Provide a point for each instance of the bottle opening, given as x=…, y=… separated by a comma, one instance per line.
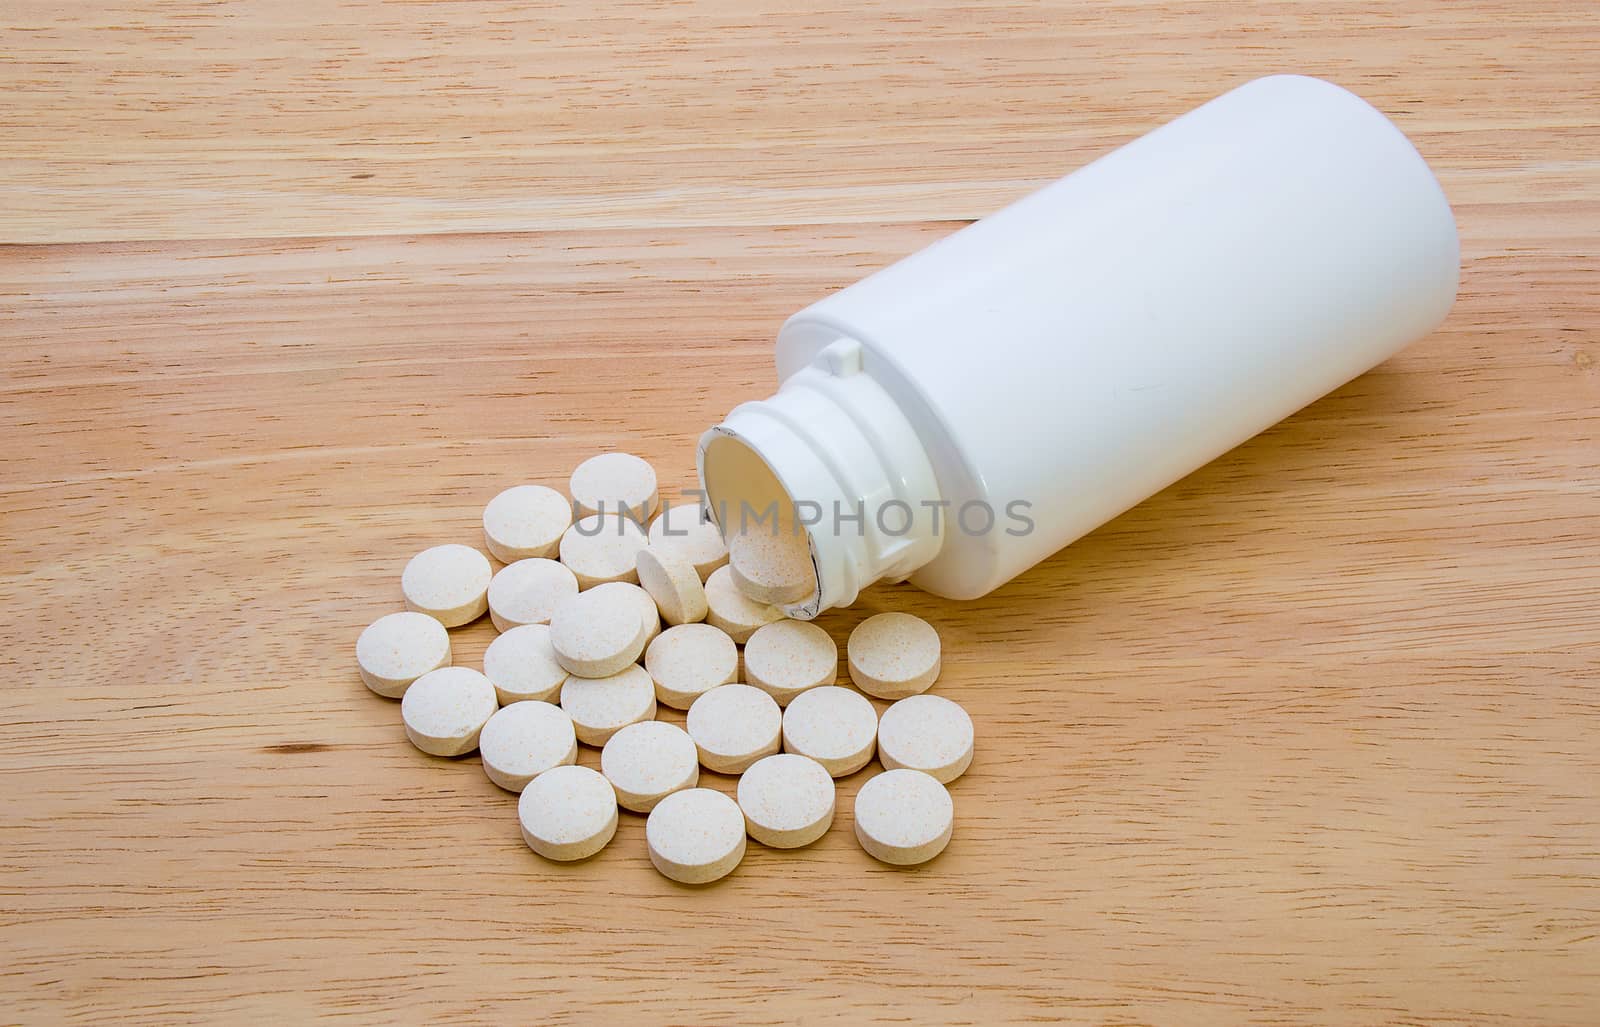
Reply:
x=745, y=497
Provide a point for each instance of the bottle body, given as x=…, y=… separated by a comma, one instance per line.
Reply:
x=1062, y=360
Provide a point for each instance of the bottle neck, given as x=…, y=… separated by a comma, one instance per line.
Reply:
x=835, y=452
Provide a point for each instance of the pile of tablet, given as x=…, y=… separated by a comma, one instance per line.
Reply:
x=583, y=659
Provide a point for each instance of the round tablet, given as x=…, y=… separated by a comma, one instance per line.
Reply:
x=640, y=598
x=927, y=733
x=568, y=813
x=695, y=836
x=672, y=582
x=732, y=610
x=600, y=549
x=835, y=726
x=773, y=566
x=525, y=523
x=600, y=707
x=787, y=800
x=904, y=817
x=398, y=648
x=689, y=660
x=733, y=726
x=522, y=665
x=687, y=531
x=527, y=591
x=596, y=634
x=524, y=740
x=615, y=483
x=787, y=657
x=893, y=655
x=445, y=709
x=449, y=583
x=648, y=761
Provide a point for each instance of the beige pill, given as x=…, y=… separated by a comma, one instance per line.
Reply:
x=567, y=813
x=648, y=761
x=444, y=710
x=788, y=657
x=733, y=726
x=596, y=634
x=615, y=483
x=524, y=740
x=398, y=648
x=772, y=565
x=600, y=707
x=527, y=591
x=695, y=836
x=893, y=655
x=599, y=549
x=522, y=665
x=927, y=733
x=640, y=598
x=904, y=817
x=525, y=523
x=733, y=611
x=787, y=800
x=689, y=660
x=835, y=726
x=686, y=531
x=672, y=582
x=449, y=583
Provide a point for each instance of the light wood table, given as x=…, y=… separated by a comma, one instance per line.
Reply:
x=1312, y=736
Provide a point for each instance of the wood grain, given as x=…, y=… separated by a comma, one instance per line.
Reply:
x=1310, y=737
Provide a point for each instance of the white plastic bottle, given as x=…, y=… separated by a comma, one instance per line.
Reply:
x=1060, y=361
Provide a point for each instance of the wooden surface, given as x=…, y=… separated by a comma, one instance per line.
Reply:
x=1312, y=737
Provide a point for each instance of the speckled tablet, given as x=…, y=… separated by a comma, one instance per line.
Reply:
x=787, y=800
x=648, y=761
x=788, y=657
x=567, y=813
x=696, y=836
x=526, y=592
x=689, y=660
x=733, y=726
x=927, y=733
x=523, y=740
x=449, y=583
x=525, y=522
x=904, y=817
x=893, y=655
x=398, y=648
x=445, y=709
x=835, y=726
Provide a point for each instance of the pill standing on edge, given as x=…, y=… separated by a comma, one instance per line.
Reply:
x=648, y=761
x=687, y=531
x=615, y=483
x=772, y=564
x=689, y=660
x=445, y=709
x=599, y=549
x=525, y=739
x=787, y=657
x=449, y=583
x=600, y=707
x=596, y=634
x=525, y=522
x=567, y=813
x=904, y=817
x=835, y=726
x=787, y=800
x=527, y=591
x=732, y=610
x=733, y=726
x=927, y=733
x=893, y=655
x=398, y=648
x=522, y=665
x=672, y=582
x=695, y=836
